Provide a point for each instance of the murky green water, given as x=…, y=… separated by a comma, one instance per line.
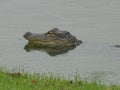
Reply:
x=95, y=22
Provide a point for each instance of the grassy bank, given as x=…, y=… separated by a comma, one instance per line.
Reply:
x=18, y=81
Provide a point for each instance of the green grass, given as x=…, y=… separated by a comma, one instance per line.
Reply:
x=24, y=81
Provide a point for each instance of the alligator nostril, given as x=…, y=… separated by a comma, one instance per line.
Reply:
x=24, y=35
x=27, y=34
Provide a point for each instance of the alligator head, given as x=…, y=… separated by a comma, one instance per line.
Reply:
x=52, y=38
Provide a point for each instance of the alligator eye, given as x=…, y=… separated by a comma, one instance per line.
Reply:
x=66, y=33
x=55, y=29
x=50, y=32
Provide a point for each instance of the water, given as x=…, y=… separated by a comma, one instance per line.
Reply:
x=95, y=22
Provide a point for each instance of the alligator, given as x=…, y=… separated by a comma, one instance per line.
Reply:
x=53, y=38
x=54, y=42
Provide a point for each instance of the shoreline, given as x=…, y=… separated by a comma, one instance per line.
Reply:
x=26, y=81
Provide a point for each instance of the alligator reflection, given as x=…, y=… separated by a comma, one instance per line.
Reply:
x=51, y=51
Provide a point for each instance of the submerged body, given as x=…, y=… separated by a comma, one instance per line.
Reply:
x=53, y=38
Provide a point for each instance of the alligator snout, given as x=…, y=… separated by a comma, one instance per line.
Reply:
x=27, y=34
